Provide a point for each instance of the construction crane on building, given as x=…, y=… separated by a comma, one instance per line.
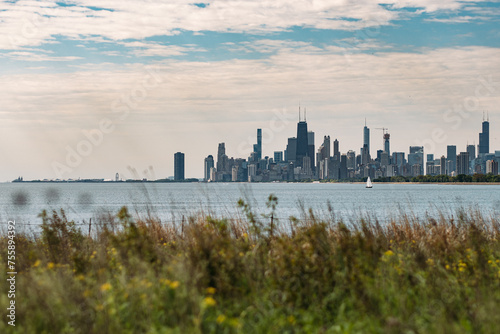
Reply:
x=385, y=138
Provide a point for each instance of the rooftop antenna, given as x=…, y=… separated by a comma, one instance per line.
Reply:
x=487, y=116
x=305, y=115
x=299, y=111
x=365, y=121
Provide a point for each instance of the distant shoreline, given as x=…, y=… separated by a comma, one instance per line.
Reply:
x=375, y=183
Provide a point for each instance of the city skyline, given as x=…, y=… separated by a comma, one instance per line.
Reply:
x=301, y=161
x=128, y=84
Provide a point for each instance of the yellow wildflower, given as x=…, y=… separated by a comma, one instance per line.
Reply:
x=174, y=285
x=209, y=301
x=221, y=318
x=37, y=263
x=211, y=290
x=389, y=253
x=105, y=287
x=50, y=265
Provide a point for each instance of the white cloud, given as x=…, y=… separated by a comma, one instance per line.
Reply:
x=32, y=23
x=150, y=49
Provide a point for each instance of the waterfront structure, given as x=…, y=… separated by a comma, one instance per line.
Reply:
x=443, y=165
x=484, y=137
x=179, y=166
x=117, y=177
x=208, y=165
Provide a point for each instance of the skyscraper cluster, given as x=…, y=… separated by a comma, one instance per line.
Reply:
x=301, y=161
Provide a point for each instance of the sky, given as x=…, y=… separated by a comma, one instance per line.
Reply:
x=91, y=88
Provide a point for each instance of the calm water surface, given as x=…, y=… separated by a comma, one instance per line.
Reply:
x=82, y=201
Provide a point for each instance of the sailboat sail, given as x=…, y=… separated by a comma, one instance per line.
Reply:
x=369, y=183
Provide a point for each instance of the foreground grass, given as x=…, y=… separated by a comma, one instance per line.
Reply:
x=441, y=275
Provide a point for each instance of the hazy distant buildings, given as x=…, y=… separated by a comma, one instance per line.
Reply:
x=179, y=166
x=208, y=165
x=300, y=161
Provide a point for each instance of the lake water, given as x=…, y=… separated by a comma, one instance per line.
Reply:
x=171, y=201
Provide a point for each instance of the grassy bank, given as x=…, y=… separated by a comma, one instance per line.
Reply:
x=258, y=275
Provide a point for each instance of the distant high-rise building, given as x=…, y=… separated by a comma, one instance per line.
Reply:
x=416, y=157
x=257, y=148
x=429, y=167
x=451, y=155
x=398, y=159
x=492, y=167
x=221, y=157
x=484, y=137
x=325, y=148
x=443, y=165
x=430, y=157
x=463, y=163
x=343, y=166
x=471, y=149
x=278, y=156
x=291, y=150
x=384, y=159
x=310, y=149
x=336, y=152
x=117, y=177
x=179, y=166
x=302, y=143
x=351, y=160
x=366, y=139
x=387, y=146
x=209, y=163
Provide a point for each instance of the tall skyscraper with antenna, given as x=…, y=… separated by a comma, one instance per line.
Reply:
x=484, y=137
x=302, y=140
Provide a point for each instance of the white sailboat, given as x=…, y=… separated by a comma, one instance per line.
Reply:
x=369, y=183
